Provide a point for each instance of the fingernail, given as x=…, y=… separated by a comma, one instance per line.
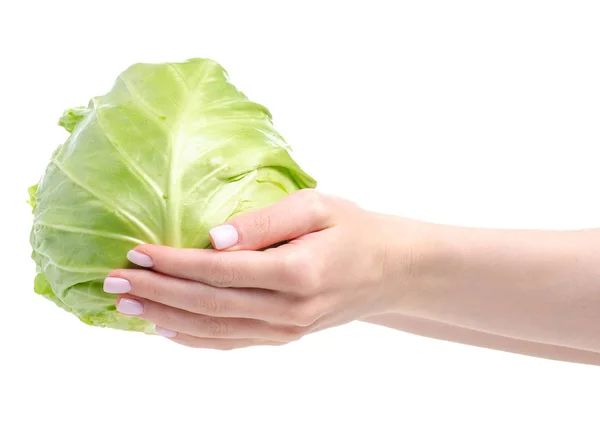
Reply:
x=165, y=332
x=139, y=258
x=224, y=236
x=130, y=307
x=113, y=285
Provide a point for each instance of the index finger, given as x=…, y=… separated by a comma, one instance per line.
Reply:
x=245, y=269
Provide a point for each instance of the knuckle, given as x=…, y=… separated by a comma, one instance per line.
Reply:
x=317, y=205
x=302, y=319
x=309, y=280
x=187, y=342
x=222, y=272
x=164, y=318
x=267, y=342
x=261, y=224
x=226, y=347
x=294, y=333
x=302, y=273
x=206, y=302
x=217, y=328
x=291, y=260
x=190, y=341
x=306, y=313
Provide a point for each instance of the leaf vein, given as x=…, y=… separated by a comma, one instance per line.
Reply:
x=80, y=230
x=123, y=214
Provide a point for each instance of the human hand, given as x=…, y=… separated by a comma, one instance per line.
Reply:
x=333, y=268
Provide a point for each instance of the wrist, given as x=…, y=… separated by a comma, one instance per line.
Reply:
x=415, y=254
x=536, y=285
x=438, y=260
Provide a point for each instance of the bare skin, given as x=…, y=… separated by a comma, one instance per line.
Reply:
x=530, y=292
x=452, y=333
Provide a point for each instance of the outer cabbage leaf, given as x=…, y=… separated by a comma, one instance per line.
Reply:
x=169, y=152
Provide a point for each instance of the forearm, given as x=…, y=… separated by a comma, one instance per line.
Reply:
x=541, y=286
x=452, y=333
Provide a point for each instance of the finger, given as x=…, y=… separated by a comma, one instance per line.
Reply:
x=217, y=344
x=235, y=269
x=200, y=298
x=295, y=215
x=204, y=326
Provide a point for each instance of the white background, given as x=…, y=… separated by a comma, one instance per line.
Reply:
x=476, y=113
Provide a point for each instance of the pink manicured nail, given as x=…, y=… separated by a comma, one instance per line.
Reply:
x=139, y=258
x=130, y=307
x=113, y=285
x=224, y=236
x=165, y=332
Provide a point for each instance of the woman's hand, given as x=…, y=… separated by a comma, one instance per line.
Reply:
x=339, y=263
x=334, y=268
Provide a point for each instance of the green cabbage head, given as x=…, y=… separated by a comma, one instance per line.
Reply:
x=172, y=150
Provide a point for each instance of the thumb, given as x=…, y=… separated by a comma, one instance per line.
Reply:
x=297, y=214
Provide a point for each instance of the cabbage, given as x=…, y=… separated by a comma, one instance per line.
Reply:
x=172, y=150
